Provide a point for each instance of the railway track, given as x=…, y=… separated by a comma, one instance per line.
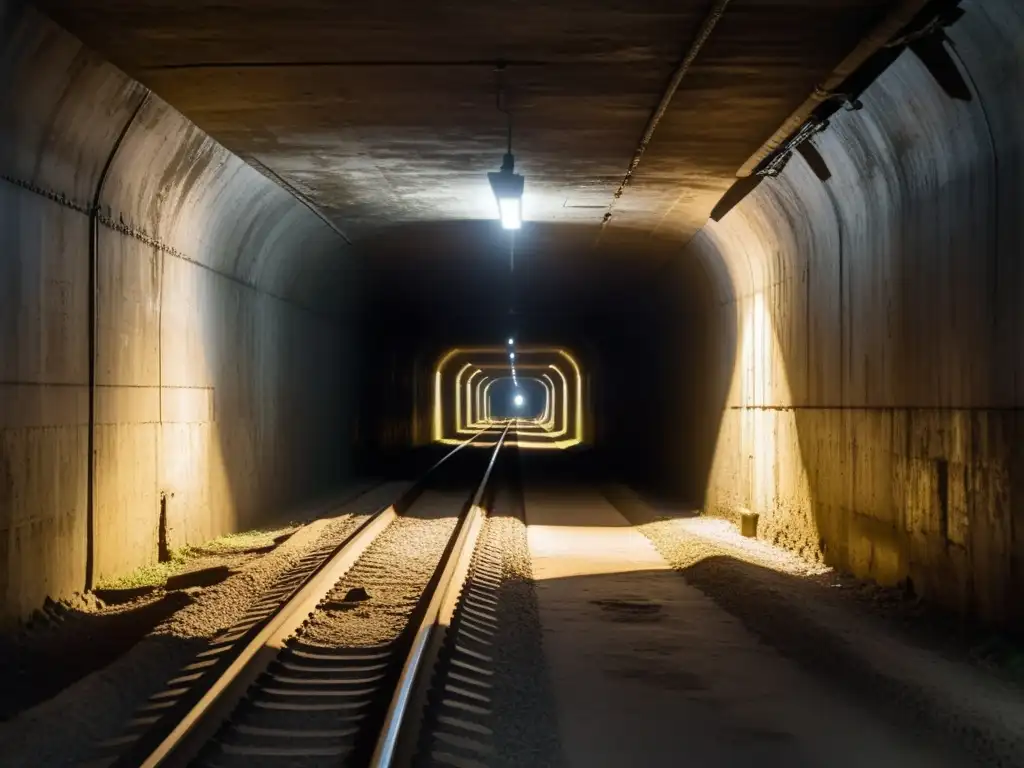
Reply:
x=285, y=692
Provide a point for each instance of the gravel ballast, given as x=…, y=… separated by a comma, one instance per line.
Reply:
x=526, y=728
x=96, y=708
x=392, y=575
x=490, y=701
x=321, y=702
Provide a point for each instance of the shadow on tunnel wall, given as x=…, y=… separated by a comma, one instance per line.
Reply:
x=663, y=387
x=161, y=305
x=872, y=410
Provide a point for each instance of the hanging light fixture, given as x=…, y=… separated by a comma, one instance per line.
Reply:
x=506, y=184
x=508, y=191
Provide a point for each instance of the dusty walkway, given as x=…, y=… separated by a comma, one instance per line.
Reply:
x=651, y=670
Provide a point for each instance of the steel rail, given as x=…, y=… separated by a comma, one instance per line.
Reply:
x=422, y=654
x=201, y=721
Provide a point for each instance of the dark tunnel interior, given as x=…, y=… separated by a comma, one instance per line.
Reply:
x=769, y=262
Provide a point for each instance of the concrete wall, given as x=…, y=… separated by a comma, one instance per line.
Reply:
x=659, y=406
x=394, y=411
x=873, y=397
x=220, y=348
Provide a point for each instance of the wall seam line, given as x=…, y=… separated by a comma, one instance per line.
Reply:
x=144, y=237
x=52, y=196
x=93, y=344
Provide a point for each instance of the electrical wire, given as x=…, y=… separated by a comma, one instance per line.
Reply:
x=499, y=101
x=501, y=106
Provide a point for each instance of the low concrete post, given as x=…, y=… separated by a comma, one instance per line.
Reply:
x=748, y=523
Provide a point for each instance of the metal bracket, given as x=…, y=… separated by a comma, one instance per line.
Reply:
x=774, y=164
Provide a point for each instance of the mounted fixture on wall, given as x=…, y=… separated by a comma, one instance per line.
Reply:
x=923, y=34
x=506, y=184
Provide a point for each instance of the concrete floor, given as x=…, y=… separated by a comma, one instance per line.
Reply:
x=648, y=670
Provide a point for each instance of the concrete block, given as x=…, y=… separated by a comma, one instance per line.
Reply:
x=748, y=522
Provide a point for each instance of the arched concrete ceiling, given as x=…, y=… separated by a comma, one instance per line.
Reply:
x=383, y=116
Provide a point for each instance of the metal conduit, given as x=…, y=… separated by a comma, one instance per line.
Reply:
x=714, y=15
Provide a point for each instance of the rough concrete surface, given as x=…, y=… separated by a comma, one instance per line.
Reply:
x=649, y=669
x=217, y=370
x=330, y=103
x=917, y=682
x=843, y=356
x=870, y=409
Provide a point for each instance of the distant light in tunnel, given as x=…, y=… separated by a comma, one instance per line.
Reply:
x=563, y=406
x=511, y=341
x=511, y=355
x=519, y=400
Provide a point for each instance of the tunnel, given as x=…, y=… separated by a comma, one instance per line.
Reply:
x=763, y=264
x=541, y=385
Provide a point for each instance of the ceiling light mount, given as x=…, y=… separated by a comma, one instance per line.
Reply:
x=506, y=184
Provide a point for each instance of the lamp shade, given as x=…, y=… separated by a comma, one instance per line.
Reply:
x=508, y=191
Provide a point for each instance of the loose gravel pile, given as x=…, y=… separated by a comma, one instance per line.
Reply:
x=96, y=707
x=695, y=539
x=49, y=654
x=372, y=603
x=228, y=603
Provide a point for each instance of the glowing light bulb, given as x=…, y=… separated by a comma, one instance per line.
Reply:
x=511, y=212
x=518, y=400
